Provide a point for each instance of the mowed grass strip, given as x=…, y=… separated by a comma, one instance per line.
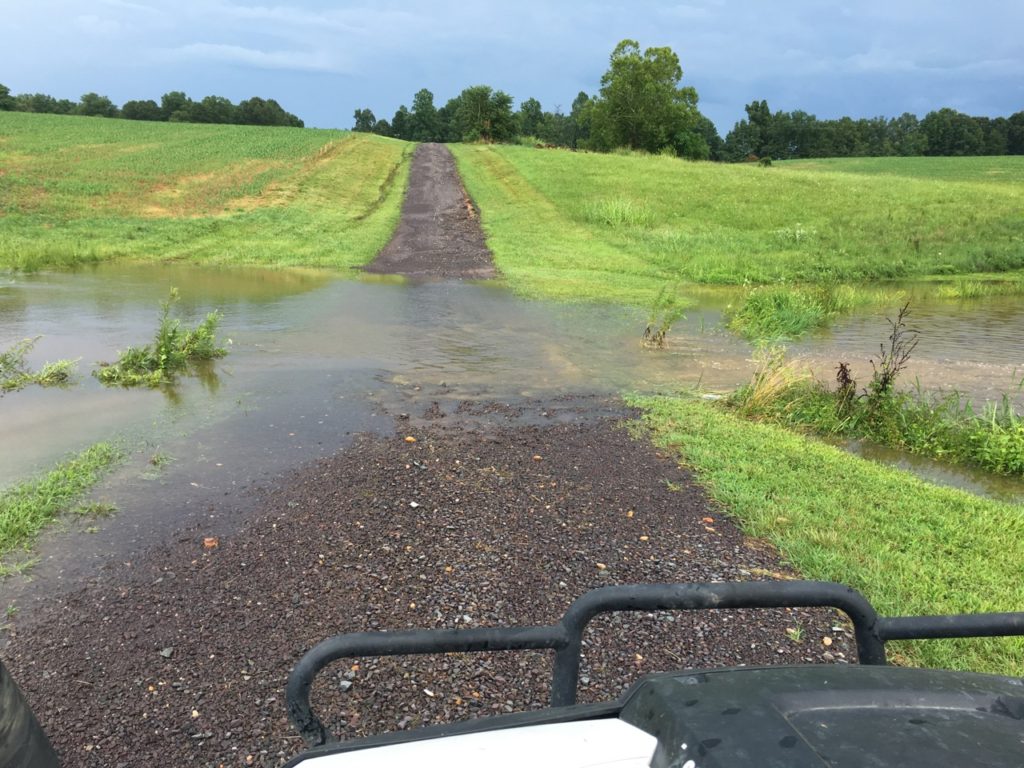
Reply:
x=910, y=547
x=26, y=508
x=77, y=189
x=614, y=226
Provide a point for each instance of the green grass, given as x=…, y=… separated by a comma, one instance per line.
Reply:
x=618, y=227
x=984, y=170
x=75, y=190
x=910, y=547
x=26, y=508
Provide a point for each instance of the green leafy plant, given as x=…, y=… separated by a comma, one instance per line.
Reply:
x=173, y=351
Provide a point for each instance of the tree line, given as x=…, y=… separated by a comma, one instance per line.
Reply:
x=174, y=107
x=642, y=106
x=797, y=134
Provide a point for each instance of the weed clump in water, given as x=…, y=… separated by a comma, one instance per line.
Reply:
x=665, y=311
x=173, y=351
x=16, y=374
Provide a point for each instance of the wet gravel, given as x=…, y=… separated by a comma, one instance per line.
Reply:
x=439, y=234
x=180, y=656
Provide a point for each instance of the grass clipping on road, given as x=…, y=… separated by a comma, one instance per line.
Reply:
x=80, y=190
x=26, y=508
x=910, y=547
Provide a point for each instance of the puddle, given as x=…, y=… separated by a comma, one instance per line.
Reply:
x=317, y=356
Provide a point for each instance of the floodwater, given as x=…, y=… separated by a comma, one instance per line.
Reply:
x=314, y=359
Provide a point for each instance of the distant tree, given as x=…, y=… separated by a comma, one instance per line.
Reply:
x=483, y=114
x=141, y=110
x=952, y=133
x=401, y=124
x=257, y=111
x=699, y=142
x=175, y=102
x=43, y=104
x=1015, y=133
x=365, y=121
x=995, y=133
x=447, y=123
x=6, y=100
x=94, y=105
x=581, y=118
x=382, y=127
x=530, y=118
x=212, y=109
x=423, y=122
x=742, y=142
x=905, y=135
x=641, y=104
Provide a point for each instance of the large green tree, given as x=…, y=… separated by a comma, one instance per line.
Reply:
x=365, y=121
x=483, y=114
x=6, y=100
x=423, y=122
x=641, y=104
x=530, y=117
x=94, y=105
x=141, y=110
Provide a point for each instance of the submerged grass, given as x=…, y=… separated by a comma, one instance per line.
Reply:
x=29, y=506
x=566, y=224
x=77, y=190
x=910, y=547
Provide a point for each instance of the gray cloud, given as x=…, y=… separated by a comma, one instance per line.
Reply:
x=323, y=59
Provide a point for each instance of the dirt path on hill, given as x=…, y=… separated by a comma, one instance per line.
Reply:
x=496, y=514
x=439, y=234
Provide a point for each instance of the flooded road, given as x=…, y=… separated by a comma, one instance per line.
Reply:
x=313, y=358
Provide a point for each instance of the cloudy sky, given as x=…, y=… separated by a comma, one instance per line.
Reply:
x=322, y=60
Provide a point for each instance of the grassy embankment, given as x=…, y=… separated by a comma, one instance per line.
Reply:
x=76, y=189
x=26, y=508
x=618, y=227
x=908, y=546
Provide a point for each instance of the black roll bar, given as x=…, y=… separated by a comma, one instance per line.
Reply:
x=566, y=637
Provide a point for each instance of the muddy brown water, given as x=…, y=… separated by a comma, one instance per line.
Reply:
x=314, y=358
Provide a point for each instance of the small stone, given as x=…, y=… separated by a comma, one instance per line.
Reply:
x=410, y=439
x=826, y=641
x=537, y=457
x=167, y=652
x=345, y=685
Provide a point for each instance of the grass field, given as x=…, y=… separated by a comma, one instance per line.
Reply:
x=618, y=227
x=910, y=547
x=975, y=170
x=78, y=189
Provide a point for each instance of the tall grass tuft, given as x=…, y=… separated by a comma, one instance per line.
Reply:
x=619, y=212
x=173, y=350
x=777, y=312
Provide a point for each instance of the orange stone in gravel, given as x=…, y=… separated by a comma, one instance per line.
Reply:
x=211, y=542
